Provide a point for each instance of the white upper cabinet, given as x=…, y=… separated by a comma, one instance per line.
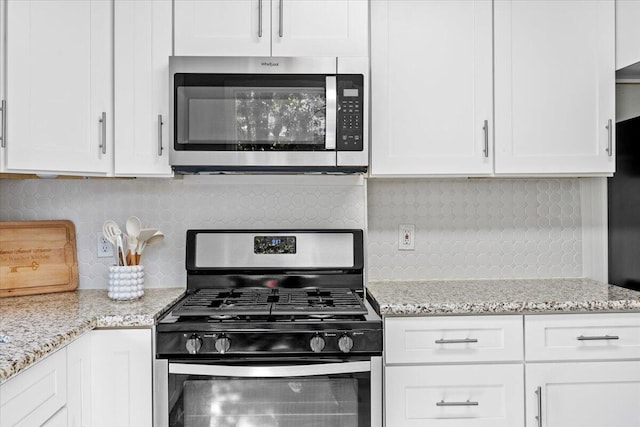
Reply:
x=222, y=27
x=59, y=87
x=319, y=27
x=271, y=27
x=433, y=71
x=555, y=87
x=431, y=74
x=142, y=46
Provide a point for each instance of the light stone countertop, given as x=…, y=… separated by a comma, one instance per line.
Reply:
x=441, y=297
x=38, y=325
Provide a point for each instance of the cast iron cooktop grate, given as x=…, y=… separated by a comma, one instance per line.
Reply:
x=276, y=302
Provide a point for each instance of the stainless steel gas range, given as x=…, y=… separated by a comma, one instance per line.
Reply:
x=274, y=330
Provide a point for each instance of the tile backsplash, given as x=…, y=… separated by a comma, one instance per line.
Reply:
x=477, y=228
x=175, y=205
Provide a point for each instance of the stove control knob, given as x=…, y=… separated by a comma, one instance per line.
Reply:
x=345, y=343
x=222, y=344
x=317, y=343
x=194, y=343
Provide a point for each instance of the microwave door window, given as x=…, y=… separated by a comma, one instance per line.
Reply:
x=204, y=116
x=241, y=118
x=280, y=118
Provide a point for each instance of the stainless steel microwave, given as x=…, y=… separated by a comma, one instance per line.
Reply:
x=268, y=114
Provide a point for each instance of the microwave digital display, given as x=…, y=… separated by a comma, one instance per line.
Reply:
x=350, y=93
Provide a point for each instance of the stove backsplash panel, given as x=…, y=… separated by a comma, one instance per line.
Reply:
x=498, y=228
x=174, y=205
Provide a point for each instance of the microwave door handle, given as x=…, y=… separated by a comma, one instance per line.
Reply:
x=332, y=113
x=270, y=371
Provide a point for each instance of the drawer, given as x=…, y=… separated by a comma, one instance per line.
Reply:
x=455, y=396
x=582, y=336
x=35, y=395
x=453, y=339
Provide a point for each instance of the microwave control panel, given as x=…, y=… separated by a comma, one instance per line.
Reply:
x=350, y=101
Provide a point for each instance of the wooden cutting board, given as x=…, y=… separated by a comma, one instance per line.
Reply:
x=37, y=257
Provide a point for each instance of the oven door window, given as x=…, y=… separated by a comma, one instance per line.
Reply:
x=216, y=112
x=326, y=400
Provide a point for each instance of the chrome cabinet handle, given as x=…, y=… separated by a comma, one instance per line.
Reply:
x=103, y=133
x=160, y=134
x=610, y=138
x=467, y=403
x=3, y=133
x=281, y=19
x=485, y=128
x=259, y=18
x=458, y=341
x=598, y=338
x=539, y=397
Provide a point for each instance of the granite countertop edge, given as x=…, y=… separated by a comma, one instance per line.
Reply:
x=507, y=308
x=96, y=311
x=504, y=296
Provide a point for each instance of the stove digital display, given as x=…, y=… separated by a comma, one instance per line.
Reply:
x=268, y=245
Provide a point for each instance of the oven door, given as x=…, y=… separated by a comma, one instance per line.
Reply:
x=345, y=394
x=243, y=112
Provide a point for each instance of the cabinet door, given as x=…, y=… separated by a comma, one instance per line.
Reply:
x=35, y=395
x=59, y=85
x=603, y=394
x=555, y=86
x=79, y=381
x=122, y=378
x=454, y=396
x=222, y=27
x=142, y=48
x=319, y=27
x=431, y=76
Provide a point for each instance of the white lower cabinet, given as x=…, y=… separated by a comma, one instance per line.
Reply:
x=79, y=381
x=580, y=370
x=456, y=395
x=103, y=378
x=121, y=377
x=434, y=376
x=37, y=394
x=593, y=394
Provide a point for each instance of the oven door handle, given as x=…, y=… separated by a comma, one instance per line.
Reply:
x=270, y=371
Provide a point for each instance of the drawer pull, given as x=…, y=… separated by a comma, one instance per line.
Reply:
x=467, y=403
x=598, y=338
x=458, y=341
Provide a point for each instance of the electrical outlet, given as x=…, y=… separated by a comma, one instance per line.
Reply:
x=104, y=248
x=406, y=237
